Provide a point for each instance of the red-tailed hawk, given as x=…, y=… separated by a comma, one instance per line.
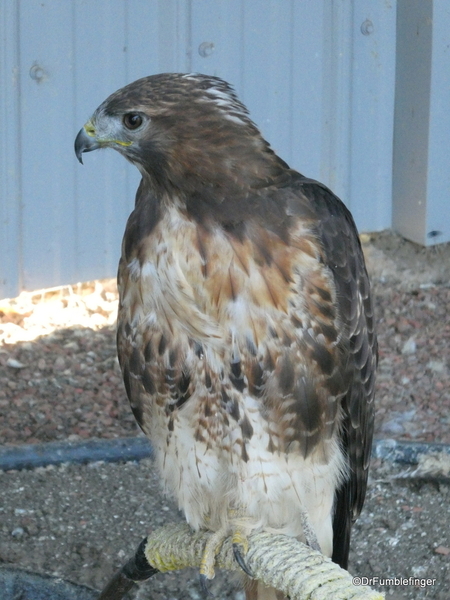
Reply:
x=245, y=327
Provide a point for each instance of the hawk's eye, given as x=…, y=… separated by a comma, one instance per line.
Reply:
x=132, y=120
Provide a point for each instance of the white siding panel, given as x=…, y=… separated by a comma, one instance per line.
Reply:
x=216, y=39
x=45, y=111
x=372, y=113
x=268, y=36
x=309, y=81
x=336, y=98
x=10, y=161
x=421, y=189
x=437, y=225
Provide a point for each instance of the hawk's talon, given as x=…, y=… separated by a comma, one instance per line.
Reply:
x=238, y=557
x=203, y=579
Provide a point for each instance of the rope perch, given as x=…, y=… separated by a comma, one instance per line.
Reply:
x=278, y=561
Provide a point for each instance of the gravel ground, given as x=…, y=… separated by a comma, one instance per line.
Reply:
x=82, y=522
x=59, y=379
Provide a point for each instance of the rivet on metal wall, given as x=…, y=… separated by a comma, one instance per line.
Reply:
x=367, y=27
x=206, y=49
x=37, y=73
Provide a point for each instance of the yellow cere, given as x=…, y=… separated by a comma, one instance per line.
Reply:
x=90, y=130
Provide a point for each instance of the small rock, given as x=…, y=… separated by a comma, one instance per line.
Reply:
x=436, y=365
x=419, y=571
x=403, y=326
x=392, y=427
x=9, y=554
x=72, y=345
x=389, y=523
x=14, y=364
x=29, y=346
x=17, y=532
x=409, y=347
x=59, y=364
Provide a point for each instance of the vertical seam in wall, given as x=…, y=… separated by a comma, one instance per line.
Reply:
x=242, y=50
x=127, y=79
x=416, y=231
x=351, y=101
x=74, y=112
x=18, y=158
x=291, y=80
x=188, y=38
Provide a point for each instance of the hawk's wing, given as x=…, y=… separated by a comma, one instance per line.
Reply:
x=338, y=235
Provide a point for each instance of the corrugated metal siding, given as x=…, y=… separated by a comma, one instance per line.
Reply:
x=317, y=76
x=421, y=168
x=10, y=196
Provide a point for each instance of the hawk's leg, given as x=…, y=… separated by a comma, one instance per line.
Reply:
x=212, y=548
x=239, y=543
x=309, y=533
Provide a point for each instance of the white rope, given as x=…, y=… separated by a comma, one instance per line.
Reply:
x=278, y=561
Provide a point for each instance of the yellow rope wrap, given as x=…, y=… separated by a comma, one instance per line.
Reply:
x=278, y=561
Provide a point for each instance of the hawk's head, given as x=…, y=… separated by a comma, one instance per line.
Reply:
x=181, y=130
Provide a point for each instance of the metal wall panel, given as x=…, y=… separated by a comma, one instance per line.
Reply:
x=421, y=191
x=318, y=83
x=10, y=193
x=45, y=110
x=372, y=113
x=437, y=225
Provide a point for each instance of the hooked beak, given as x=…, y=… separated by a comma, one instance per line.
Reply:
x=85, y=141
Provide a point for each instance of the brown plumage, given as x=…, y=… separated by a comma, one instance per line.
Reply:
x=245, y=328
